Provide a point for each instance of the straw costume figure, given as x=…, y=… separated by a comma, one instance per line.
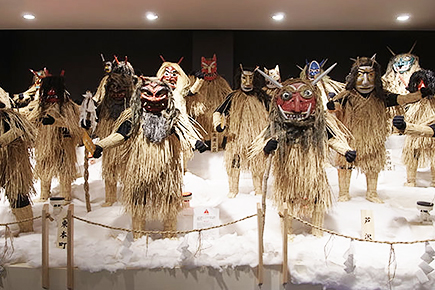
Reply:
x=419, y=152
x=244, y=115
x=173, y=74
x=28, y=100
x=201, y=105
x=113, y=95
x=419, y=142
x=396, y=78
x=362, y=106
x=56, y=118
x=16, y=177
x=327, y=86
x=300, y=131
x=155, y=138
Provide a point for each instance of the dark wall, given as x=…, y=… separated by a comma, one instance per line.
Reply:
x=78, y=51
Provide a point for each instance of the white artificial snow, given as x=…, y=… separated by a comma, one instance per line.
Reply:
x=310, y=259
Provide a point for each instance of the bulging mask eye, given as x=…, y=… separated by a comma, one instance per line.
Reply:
x=307, y=94
x=286, y=96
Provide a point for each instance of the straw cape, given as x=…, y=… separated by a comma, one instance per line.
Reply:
x=55, y=146
x=202, y=104
x=16, y=138
x=302, y=154
x=110, y=108
x=396, y=77
x=419, y=151
x=152, y=177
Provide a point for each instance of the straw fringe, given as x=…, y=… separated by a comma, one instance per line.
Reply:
x=366, y=118
x=152, y=178
x=421, y=113
x=113, y=162
x=202, y=105
x=247, y=119
x=16, y=175
x=56, y=155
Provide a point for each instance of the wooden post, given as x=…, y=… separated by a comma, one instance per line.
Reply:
x=45, y=248
x=86, y=180
x=260, y=245
x=70, y=249
x=285, y=246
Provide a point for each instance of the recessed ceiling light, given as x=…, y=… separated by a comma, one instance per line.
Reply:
x=403, y=17
x=29, y=16
x=278, y=16
x=152, y=16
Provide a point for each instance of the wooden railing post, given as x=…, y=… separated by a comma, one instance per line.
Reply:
x=260, y=245
x=45, y=248
x=70, y=248
x=285, y=246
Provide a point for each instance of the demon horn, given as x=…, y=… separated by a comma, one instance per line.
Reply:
x=35, y=73
x=181, y=59
x=162, y=58
x=116, y=59
x=268, y=77
x=319, y=77
x=412, y=48
x=392, y=52
x=102, y=57
x=373, y=59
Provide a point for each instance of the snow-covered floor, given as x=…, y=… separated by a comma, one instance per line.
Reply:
x=310, y=259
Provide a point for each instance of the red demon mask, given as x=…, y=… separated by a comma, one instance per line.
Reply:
x=296, y=102
x=209, y=68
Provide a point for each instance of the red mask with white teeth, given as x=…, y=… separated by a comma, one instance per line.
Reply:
x=296, y=102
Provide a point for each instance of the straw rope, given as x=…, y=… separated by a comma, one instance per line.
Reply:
x=162, y=232
x=20, y=221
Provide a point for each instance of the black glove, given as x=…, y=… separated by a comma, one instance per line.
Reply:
x=199, y=74
x=399, y=122
x=330, y=105
x=219, y=128
x=98, y=151
x=49, y=120
x=350, y=155
x=86, y=124
x=200, y=146
x=271, y=145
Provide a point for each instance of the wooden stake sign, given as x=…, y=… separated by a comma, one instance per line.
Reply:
x=367, y=225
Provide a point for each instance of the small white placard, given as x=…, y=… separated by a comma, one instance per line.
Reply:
x=205, y=217
x=389, y=166
x=367, y=225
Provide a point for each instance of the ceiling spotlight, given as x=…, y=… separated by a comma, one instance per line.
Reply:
x=29, y=16
x=152, y=16
x=278, y=16
x=403, y=17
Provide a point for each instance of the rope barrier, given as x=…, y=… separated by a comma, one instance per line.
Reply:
x=162, y=232
x=21, y=221
x=358, y=239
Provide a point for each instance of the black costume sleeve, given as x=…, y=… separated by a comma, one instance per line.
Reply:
x=224, y=108
x=433, y=128
x=125, y=129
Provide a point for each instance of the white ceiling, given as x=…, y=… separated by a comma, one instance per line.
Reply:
x=219, y=14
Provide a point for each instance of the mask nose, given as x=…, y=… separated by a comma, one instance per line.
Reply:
x=365, y=81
